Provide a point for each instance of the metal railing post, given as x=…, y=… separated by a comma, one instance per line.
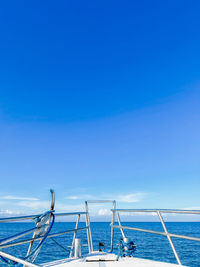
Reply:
x=112, y=228
x=112, y=221
x=89, y=235
x=120, y=226
x=169, y=237
x=74, y=236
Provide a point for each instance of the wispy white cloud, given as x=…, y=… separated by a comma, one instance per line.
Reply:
x=130, y=198
x=62, y=207
x=10, y=197
x=192, y=208
x=34, y=204
x=80, y=197
x=104, y=212
x=73, y=197
x=29, y=205
x=45, y=205
x=6, y=212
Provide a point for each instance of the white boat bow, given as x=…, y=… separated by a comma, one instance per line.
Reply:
x=103, y=259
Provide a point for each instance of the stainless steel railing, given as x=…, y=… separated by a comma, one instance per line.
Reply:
x=159, y=213
x=8, y=243
x=113, y=202
x=115, y=215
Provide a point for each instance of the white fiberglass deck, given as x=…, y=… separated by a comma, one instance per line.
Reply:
x=102, y=259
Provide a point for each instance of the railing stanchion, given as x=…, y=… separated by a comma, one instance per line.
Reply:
x=74, y=236
x=89, y=235
x=169, y=237
x=88, y=220
x=120, y=226
x=112, y=228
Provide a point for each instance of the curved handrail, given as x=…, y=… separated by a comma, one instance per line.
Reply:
x=44, y=223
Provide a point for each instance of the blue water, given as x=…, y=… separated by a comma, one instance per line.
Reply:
x=149, y=246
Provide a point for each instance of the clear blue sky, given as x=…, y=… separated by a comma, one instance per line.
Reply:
x=99, y=99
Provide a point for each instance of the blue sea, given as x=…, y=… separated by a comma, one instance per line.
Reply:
x=149, y=246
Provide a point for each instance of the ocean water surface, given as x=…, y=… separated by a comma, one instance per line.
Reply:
x=149, y=246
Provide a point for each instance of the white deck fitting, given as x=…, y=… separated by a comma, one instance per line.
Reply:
x=97, y=259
